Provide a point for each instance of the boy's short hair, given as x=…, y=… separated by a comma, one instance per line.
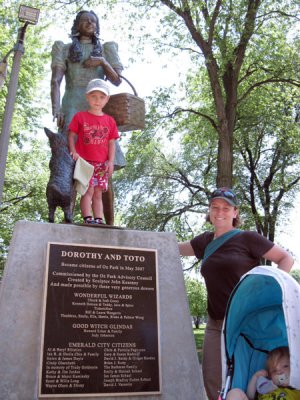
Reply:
x=275, y=355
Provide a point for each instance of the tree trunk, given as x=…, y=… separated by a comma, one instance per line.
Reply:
x=225, y=158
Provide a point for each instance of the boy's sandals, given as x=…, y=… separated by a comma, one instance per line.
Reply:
x=88, y=220
x=98, y=221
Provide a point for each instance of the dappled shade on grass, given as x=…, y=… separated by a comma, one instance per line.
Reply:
x=199, y=337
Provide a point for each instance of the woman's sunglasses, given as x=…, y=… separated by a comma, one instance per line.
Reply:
x=224, y=193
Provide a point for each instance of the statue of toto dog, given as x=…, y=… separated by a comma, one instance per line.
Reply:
x=60, y=191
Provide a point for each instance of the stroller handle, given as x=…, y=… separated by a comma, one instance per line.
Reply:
x=223, y=393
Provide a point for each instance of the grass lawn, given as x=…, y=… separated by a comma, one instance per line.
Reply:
x=199, y=336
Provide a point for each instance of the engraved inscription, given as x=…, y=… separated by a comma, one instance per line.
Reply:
x=100, y=331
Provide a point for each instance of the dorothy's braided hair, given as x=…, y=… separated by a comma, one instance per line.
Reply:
x=75, y=53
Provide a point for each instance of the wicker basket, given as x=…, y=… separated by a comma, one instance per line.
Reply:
x=127, y=109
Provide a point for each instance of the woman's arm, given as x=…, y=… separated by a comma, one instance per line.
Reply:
x=281, y=257
x=185, y=249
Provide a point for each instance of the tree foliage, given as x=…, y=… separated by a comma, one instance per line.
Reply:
x=261, y=99
x=242, y=49
x=168, y=179
x=28, y=107
x=26, y=170
x=197, y=298
x=25, y=180
x=267, y=140
x=296, y=274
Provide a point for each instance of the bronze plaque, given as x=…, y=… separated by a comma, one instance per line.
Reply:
x=100, y=322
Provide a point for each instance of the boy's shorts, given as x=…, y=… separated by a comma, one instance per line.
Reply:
x=100, y=177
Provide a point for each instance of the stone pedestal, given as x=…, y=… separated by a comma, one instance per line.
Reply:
x=21, y=303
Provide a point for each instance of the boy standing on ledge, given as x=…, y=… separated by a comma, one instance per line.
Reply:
x=92, y=136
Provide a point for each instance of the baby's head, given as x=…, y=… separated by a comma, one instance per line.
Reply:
x=278, y=366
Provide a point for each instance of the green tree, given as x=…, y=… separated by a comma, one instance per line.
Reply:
x=26, y=178
x=296, y=274
x=241, y=45
x=267, y=142
x=26, y=169
x=27, y=108
x=197, y=298
x=256, y=65
x=162, y=179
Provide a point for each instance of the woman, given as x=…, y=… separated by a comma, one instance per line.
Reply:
x=227, y=253
x=79, y=62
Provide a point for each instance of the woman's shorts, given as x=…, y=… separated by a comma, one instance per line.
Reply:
x=100, y=176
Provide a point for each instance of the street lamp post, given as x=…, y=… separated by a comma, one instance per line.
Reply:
x=28, y=15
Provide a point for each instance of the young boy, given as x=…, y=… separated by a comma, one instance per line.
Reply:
x=92, y=136
x=271, y=383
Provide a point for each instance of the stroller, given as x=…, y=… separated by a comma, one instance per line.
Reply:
x=263, y=313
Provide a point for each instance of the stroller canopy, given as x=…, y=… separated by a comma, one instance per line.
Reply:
x=263, y=313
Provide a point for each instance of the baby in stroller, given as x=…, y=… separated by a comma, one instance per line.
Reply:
x=270, y=383
x=260, y=332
